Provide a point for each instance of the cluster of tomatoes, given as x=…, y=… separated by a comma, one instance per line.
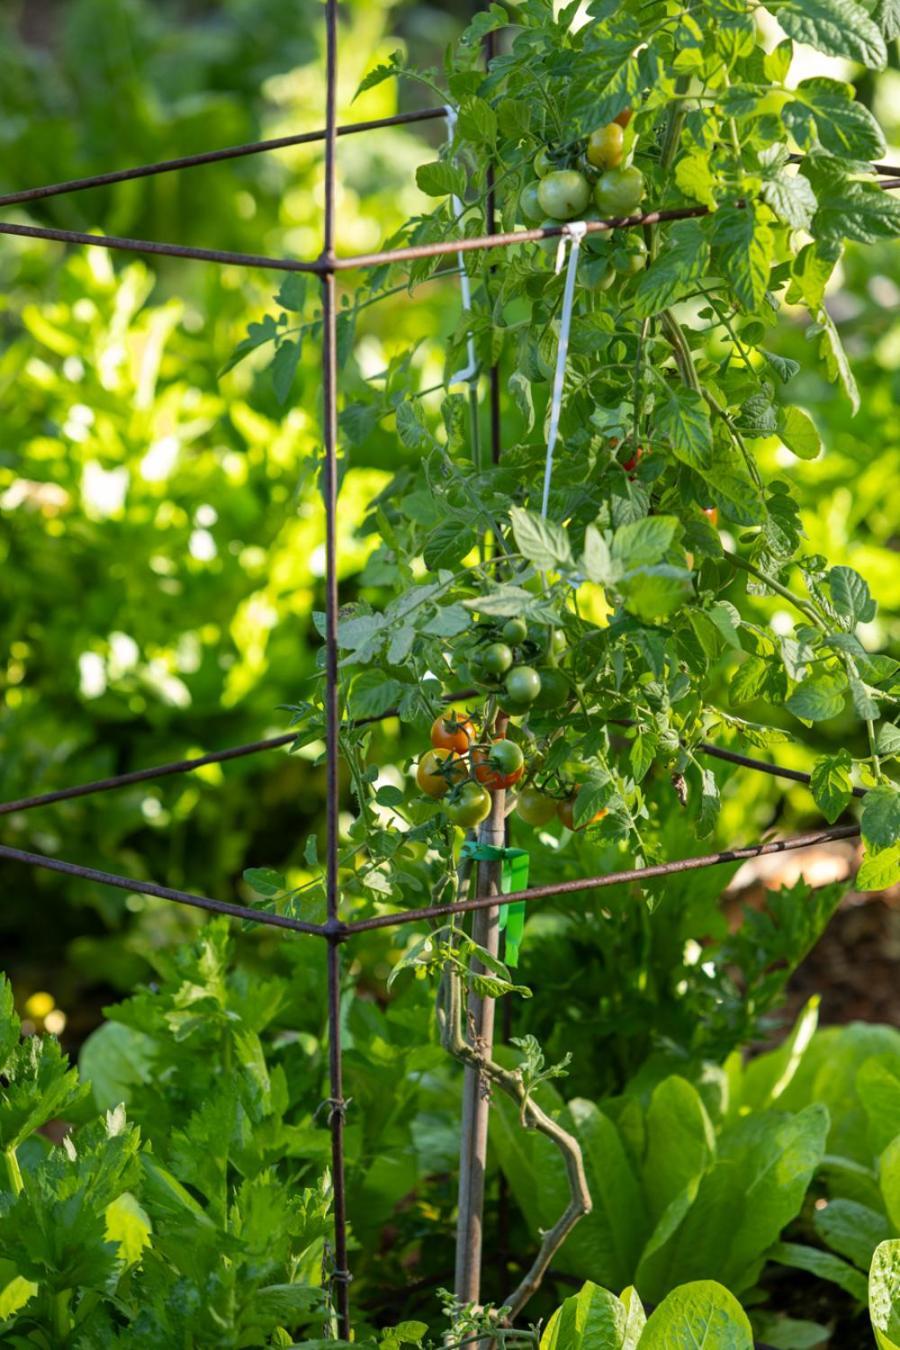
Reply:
x=464, y=772
x=571, y=181
x=462, y=769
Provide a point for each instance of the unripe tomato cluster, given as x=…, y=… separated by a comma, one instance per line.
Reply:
x=584, y=178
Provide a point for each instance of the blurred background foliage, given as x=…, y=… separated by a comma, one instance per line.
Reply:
x=160, y=528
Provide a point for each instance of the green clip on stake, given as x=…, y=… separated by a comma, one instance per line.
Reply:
x=513, y=877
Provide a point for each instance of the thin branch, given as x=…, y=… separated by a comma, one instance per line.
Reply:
x=533, y=1118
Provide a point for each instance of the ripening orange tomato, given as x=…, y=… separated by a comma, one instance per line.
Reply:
x=435, y=776
x=452, y=733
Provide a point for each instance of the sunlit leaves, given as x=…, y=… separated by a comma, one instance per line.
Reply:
x=681, y=264
x=836, y=27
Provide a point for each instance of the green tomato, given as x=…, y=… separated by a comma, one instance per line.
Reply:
x=535, y=807
x=514, y=631
x=468, y=805
x=605, y=146
x=619, y=191
x=496, y=659
x=506, y=757
x=635, y=259
x=529, y=206
x=564, y=194
x=523, y=684
x=543, y=164
x=555, y=689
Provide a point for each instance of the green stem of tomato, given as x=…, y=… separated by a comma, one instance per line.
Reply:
x=796, y=600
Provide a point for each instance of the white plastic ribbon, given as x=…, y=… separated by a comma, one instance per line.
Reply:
x=572, y=234
x=469, y=373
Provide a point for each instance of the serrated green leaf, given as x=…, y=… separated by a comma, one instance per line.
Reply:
x=385, y=71
x=835, y=27
x=880, y=819
x=831, y=785
x=541, y=541
x=373, y=694
x=879, y=870
x=448, y=545
x=683, y=421
x=845, y=127
x=850, y=594
x=818, y=698
x=887, y=741
x=743, y=246
x=679, y=266
x=644, y=542
x=791, y=197
x=440, y=179
x=836, y=364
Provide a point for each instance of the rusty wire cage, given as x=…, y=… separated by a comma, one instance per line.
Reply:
x=336, y=931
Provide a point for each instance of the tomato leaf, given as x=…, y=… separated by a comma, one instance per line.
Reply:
x=835, y=27
x=880, y=819
x=830, y=784
x=683, y=420
x=541, y=541
x=818, y=698
x=799, y=432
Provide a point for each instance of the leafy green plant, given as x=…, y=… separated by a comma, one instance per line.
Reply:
x=700, y=1313
x=187, y=1228
x=854, y=1072
x=680, y=1192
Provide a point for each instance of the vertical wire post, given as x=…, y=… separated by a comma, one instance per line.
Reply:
x=340, y=1275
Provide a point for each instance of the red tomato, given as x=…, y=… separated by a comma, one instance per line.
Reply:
x=499, y=767
x=712, y=515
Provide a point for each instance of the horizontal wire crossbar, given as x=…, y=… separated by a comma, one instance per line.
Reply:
x=115, y=242
x=328, y=266
x=210, y=157
x=342, y=931
x=161, y=892
x=638, y=874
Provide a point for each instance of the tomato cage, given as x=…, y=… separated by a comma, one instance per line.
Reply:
x=336, y=931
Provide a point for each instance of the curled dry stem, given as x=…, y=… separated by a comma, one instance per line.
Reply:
x=450, y=1020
